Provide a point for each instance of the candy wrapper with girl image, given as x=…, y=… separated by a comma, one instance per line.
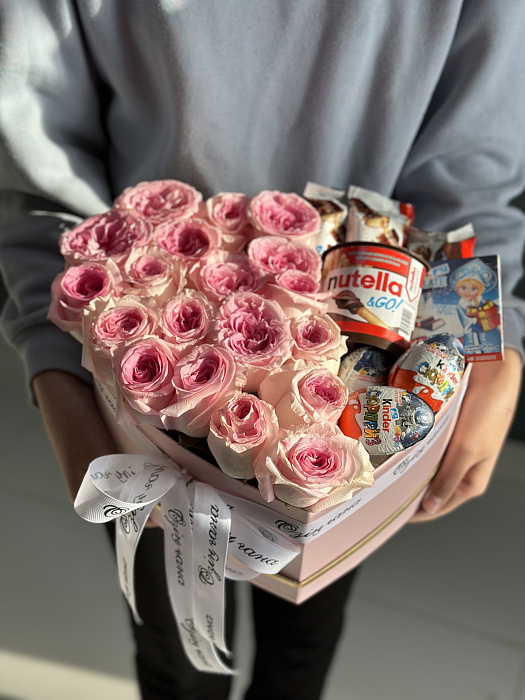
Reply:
x=462, y=297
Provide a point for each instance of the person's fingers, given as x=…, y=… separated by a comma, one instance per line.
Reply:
x=453, y=470
x=472, y=453
x=473, y=484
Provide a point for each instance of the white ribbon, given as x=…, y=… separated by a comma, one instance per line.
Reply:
x=198, y=527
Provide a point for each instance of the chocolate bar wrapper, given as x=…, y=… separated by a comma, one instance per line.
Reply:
x=333, y=211
x=438, y=245
x=372, y=217
x=465, y=295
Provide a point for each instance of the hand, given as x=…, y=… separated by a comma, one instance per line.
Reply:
x=75, y=427
x=485, y=418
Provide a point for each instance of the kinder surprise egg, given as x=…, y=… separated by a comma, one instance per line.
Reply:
x=386, y=419
x=432, y=369
x=363, y=367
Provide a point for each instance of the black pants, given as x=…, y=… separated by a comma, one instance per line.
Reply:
x=294, y=644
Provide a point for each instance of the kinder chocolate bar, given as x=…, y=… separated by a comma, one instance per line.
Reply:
x=432, y=369
x=333, y=212
x=430, y=324
x=465, y=295
x=375, y=218
x=375, y=292
x=386, y=419
x=363, y=367
x=435, y=245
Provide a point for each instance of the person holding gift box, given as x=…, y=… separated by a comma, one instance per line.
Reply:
x=251, y=96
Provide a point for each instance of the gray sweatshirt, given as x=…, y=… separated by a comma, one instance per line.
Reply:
x=418, y=99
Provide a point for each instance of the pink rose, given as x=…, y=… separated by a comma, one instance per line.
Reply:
x=160, y=201
x=284, y=214
x=228, y=211
x=204, y=379
x=239, y=431
x=190, y=240
x=318, y=340
x=144, y=374
x=77, y=287
x=256, y=332
x=275, y=255
x=109, y=235
x=297, y=293
x=219, y=279
x=186, y=320
x=121, y=321
x=305, y=396
x=150, y=271
x=313, y=467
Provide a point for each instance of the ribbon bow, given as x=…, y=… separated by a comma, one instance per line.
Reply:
x=198, y=527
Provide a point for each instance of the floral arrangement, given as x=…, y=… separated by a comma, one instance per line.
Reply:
x=206, y=318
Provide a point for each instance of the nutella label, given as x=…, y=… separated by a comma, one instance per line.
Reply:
x=376, y=286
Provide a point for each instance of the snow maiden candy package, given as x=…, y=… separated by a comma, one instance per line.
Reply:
x=464, y=295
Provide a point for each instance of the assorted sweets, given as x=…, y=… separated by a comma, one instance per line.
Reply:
x=272, y=334
x=376, y=272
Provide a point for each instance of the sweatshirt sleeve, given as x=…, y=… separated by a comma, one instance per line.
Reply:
x=468, y=160
x=52, y=147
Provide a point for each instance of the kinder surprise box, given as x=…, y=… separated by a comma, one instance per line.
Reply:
x=330, y=542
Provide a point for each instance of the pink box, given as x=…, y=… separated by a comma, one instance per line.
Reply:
x=362, y=524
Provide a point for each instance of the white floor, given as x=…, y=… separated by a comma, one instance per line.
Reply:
x=438, y=613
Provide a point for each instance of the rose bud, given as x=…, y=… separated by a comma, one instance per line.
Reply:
x=144, y=379
x=220, y=278
x=109, y=235
x=228, y=211
x=121, y=321
x=160, y=201
x=239, y=431
x=305, y=396
x=275, y=255
x=150, y=271
x=297, y=293
x=284, y=214
x=190, y=241
x=186, y=320
x=77, y=287
x=314, y=464
x=317, y=340
x=256, y=332
x=204, y=379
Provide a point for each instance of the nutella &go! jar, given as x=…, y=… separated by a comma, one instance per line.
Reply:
x=376, y=291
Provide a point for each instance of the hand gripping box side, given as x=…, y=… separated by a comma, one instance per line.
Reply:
x=331, y=541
